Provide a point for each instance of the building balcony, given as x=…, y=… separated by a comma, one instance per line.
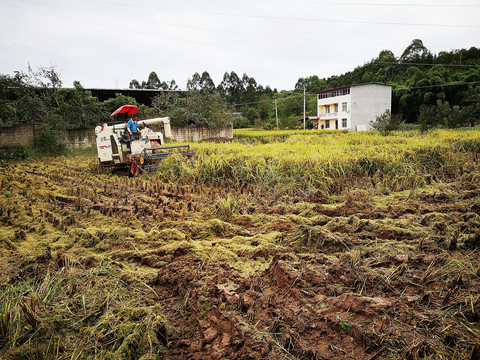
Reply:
x=332, y=115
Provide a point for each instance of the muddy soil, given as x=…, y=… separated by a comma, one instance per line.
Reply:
x=153, y=270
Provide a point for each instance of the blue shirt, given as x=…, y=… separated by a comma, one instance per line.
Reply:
x=132, y=126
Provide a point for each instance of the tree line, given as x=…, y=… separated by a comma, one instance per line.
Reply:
x=430, y=89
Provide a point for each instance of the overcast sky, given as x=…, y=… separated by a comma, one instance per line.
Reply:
x=106, y=44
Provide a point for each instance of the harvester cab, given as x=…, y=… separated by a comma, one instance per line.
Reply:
x=117, y=148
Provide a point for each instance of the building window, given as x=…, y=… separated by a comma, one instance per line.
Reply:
x=327, y=109
x=334, y=93
x=336, y=107
x=344, y=106
x=344, y=123
x=327, y=124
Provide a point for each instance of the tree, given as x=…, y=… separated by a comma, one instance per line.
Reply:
x=367, y=77
x=172, y=85
x=289, y=104
x=251, y=113
x=386, y=56
x=250, y=93
x=78, y=107
x=33, y=98
x=415, y=52
x=194, y=83
x=196, y=107
x=207, y=83
x=134, y=84
x=386, y=123
x=9, y=90
x=471, y=114
x=263, y=107
x=153, y=82
x=427, y=117
x=113, y=104
x=231, y=87
x=201, y=82
x=311, y=84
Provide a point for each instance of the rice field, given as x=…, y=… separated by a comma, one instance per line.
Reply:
x=278, y=245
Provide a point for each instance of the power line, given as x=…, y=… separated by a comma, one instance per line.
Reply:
x=174, y=38
x=185, y=40
x=223, y=31
x=424, y=64
x=370, y=4
x=215, y=30
x=280, y=17
x=54, y=57
x=433, y=86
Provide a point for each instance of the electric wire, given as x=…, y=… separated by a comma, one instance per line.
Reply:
x=371, y=4
x=294, y=55
x=256, y=35
x=281, y=17
x=368, y=4
x=180, y=39
x=424, y=64
x=55, y=57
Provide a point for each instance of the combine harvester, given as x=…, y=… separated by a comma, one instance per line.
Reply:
x=118, y=149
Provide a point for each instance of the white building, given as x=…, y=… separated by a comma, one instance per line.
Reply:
x=352, y=107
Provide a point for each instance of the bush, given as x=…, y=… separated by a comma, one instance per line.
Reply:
x=269, y=125
x=49, y=141
x=20, y=153
x=241, y=122
x=386, y=123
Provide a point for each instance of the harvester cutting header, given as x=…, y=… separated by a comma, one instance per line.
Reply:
x=141, y=151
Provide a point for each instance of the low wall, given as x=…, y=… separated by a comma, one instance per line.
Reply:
x=201, y=133
x=24, y=135
x=79, y=137
x=21, y=135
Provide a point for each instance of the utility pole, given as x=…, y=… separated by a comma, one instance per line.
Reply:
x=303, y=107
x=276, y=112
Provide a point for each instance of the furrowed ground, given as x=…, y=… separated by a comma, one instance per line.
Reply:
x=276, y=246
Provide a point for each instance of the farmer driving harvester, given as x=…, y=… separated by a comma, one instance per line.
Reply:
x=132, y=128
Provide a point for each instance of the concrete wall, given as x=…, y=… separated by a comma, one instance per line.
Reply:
x=24, y=135
x=200, y=133
x=368, y=102
x=196, y=133
x=79, y=137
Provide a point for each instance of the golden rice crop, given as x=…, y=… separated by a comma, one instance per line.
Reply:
x=328, y=161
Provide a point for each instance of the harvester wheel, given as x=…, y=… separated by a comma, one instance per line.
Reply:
x=134, y=169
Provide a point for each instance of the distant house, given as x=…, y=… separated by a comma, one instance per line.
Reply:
x=352, y=107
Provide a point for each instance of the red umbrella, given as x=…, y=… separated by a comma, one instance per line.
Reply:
x=125, y=110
